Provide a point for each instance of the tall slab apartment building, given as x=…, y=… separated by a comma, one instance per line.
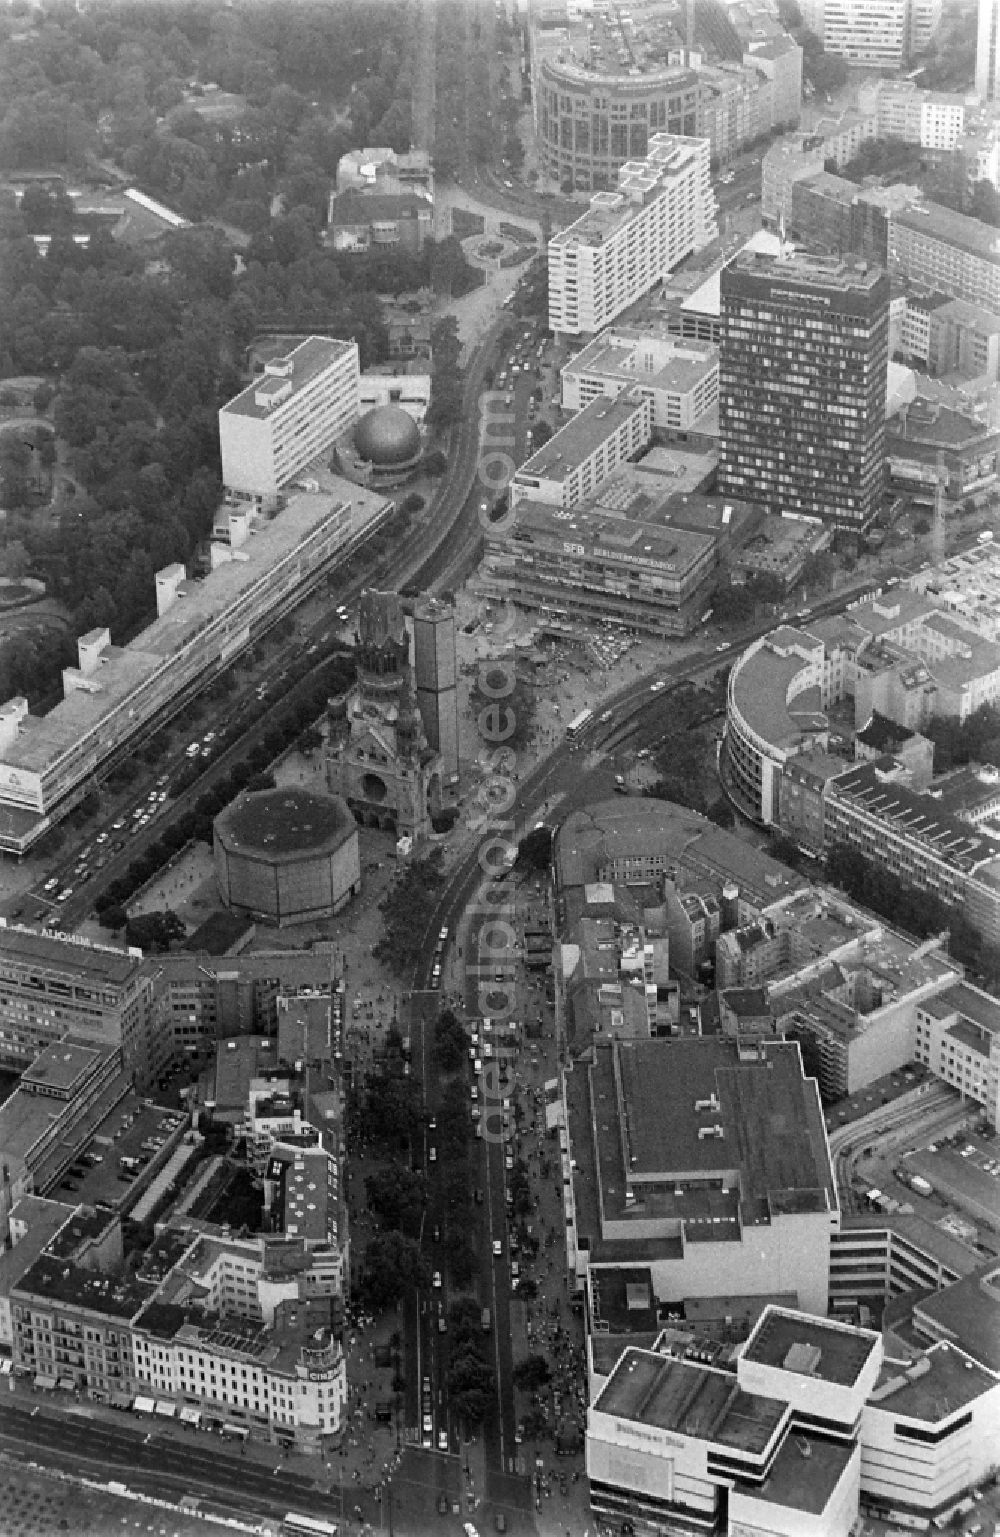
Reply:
x=664, y=210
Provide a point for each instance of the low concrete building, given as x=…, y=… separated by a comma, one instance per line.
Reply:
x=571, y=466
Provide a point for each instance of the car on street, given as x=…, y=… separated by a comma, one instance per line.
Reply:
x=658, y=687
x=436, y=1280
x=497, y=1248
x=442, y=1440
x=432, y=1153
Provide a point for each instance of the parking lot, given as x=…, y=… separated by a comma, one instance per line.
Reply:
x=964, y=1171
x=131, y=1138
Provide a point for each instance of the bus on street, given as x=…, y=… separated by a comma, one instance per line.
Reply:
x=579, y=725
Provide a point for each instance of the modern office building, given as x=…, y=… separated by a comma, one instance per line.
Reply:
x=946, y=252
x=681, y=377
x=286, y=418
x=818, y=1422
x=435, y=676
x=589, y=122
x=663, y=210
x=581, y=455
x=54, y=984
x=957, y=1036
x=883, y=34
x=632, y=555
x=261, y=568
x=603, y=82
x=770, y=1447
x=988, y=51
x=802, y=386
x=594, y=566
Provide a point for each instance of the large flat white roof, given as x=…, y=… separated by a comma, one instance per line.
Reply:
x=43, y=738
x=308, y=359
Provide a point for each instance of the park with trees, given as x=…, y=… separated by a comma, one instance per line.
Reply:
x=136, y=356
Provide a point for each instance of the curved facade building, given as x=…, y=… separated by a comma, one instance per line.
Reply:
x=286, y=856
x=588, y=124
x=774, y=711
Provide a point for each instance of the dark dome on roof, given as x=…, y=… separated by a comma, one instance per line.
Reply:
x=387, y=436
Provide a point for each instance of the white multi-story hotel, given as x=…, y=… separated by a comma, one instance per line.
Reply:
x=288, y=416
x=663, y=210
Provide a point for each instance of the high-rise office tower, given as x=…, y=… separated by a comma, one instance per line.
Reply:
x=436, y=677
x=802, y=385
x=988, y=51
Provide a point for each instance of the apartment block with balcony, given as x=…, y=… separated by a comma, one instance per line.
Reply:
x=663, y=211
